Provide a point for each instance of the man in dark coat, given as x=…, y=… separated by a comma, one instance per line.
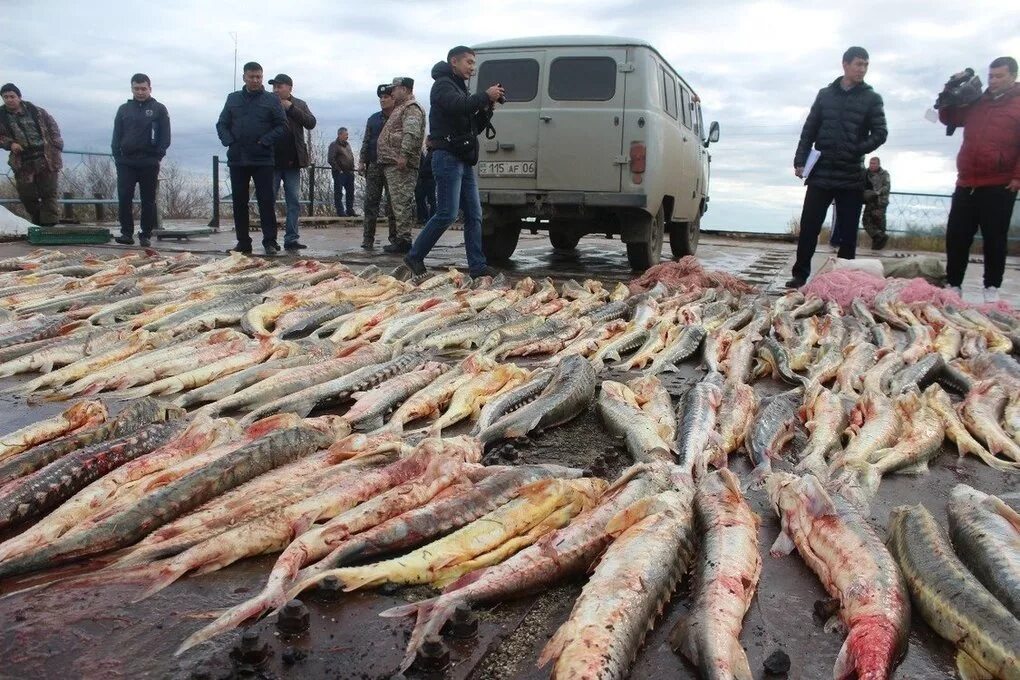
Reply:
x=141, y=136
x=846, y=122
x=250, y=125
x=341, y=161
x=988, y=177
x=456, y=118
x=31, y=134
x=290, y=155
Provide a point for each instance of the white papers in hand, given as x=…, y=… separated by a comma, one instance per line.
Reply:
x=812, y=158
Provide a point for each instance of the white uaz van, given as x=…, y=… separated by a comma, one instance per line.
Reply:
x=598, y=135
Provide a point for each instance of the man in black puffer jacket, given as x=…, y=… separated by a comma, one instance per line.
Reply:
x=250, y=125
x=456, y=117
x=846, y=122
x=141, y=136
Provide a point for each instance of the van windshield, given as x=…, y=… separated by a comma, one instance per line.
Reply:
x=591, y=79
x=519, y=78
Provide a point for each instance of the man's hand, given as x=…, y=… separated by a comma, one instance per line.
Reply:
x=1013, y=186
x=494, y=93
x=286, y=103
x=799, y=172
x=16, y=148
x=361, y=168
x=401, y=163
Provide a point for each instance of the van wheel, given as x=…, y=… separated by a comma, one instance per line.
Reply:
x=501, y=244
x=644, y=255
x=684, y=237
x=561, y=240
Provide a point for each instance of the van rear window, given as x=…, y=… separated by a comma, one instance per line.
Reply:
x=519, y=77
x=588, y=79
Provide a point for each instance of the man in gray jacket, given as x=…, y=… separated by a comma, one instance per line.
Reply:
x=291, y=154
x=141, y=136
x=251, y=123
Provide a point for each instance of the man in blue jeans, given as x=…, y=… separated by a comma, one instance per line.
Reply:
x=455, y=119
x=291, y=154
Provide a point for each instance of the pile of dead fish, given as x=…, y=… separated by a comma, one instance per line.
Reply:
x=208, y=450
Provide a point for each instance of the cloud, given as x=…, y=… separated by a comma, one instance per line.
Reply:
x=757, y=66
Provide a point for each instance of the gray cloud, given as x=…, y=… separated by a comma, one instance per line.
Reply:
x=756, y=65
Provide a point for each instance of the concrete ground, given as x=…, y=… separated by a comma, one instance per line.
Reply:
x=761, y=261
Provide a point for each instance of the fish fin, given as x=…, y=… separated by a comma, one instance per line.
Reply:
x=759, y=474
x=633, y=514
x=371, y=424
x=552, y=650
x=163, y=576
x=783, y=545
x=739, y=665
x=819, y=502
x=681, y=641
x=996, y=505
x=969, y=669
x=918, y=468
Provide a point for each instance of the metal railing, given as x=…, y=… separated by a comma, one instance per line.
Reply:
x=316, y=192
x=922, y=214
x=88, y=181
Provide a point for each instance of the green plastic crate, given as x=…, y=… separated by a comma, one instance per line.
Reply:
x=63, y=236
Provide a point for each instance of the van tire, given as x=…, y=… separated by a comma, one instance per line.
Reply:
x=684, y=237
x=563, y=240
x=645, y=254
x=500, y=244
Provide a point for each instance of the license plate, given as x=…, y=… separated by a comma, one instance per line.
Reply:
x=507, y=169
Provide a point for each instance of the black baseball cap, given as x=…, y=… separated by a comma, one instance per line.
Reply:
x=283, y=79
x=404, y=81
x=385, y=88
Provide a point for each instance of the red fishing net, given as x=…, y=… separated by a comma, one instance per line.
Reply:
x=687, y=273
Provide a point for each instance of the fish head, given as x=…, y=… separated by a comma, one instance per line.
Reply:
x=464, y=448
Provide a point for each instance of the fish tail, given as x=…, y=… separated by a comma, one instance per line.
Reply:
x=163, y=575
x=552, y=650
x=432, y=615
x=229, y=620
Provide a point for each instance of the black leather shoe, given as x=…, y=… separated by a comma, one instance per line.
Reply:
x=294, y=246
x=795, y=283
x=368, y=245
x=272, y=249
x=417, y=267
x=399, y=248
x=244, y=250
x=488, y=271
x=125, y=240
x=144, y=241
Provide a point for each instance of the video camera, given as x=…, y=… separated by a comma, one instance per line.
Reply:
x=961, y=90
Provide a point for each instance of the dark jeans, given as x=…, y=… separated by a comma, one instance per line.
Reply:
x=145, y=177
x=816, y=206
x=456, y=189
x=989, y=209
x=343, y=193
x=262, y=175
x=425, y=197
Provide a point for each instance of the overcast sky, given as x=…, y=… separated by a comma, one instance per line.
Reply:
x=756, y=66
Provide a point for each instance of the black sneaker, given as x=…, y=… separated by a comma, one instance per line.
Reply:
x=294, y=246
x=144, y=241
x=244, y=250
x=272, y=249
x=368, y=245
x=398, y=248
x=795, y=283
x=125, y=240
x=417, y=267
x=488, y=271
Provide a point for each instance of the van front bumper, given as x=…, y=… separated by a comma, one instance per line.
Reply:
x=591, y=199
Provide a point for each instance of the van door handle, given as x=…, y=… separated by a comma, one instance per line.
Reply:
x=508, y=147
x=545, y=118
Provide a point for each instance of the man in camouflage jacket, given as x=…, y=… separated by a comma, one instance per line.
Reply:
x=33, y=138
x=399, y=153
x=876, y=200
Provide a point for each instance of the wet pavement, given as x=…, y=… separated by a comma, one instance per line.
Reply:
x=96, y=631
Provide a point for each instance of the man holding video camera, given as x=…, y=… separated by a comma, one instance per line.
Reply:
x=988, y=174
x=455, y=119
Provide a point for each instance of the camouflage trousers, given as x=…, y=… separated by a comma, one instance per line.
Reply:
x=38, y=194
x=873, y=220
x=375, y=194
x=401, y=184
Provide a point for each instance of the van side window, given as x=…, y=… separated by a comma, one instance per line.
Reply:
x=685, y=106
x=700, y=129
x=588, y=79
x=668, y=93
x=519, y=77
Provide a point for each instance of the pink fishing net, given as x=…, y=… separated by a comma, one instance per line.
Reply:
x=844, y=285
x=687, y=273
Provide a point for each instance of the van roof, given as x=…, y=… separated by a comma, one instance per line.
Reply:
x=576, y=41
x=563, y=41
